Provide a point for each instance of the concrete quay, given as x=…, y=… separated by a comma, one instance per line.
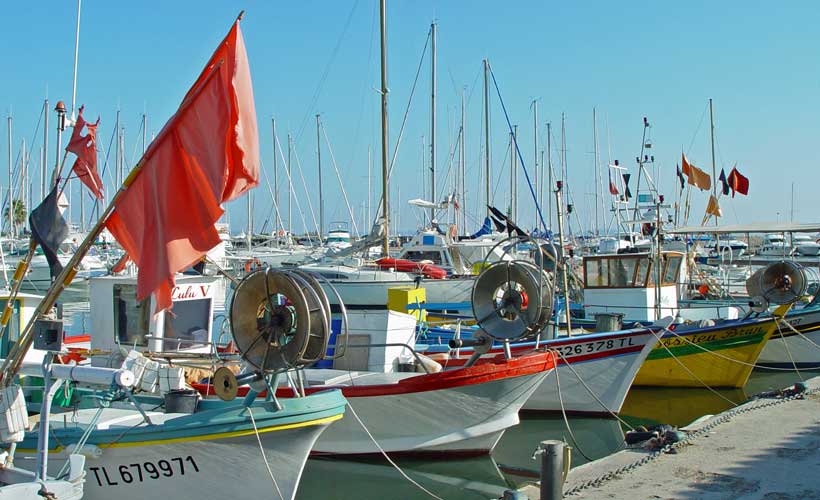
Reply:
x=766, y=449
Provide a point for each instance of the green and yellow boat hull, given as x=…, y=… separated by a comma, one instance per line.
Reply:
x=720, y=356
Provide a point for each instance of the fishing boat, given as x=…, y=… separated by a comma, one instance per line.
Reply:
x=721, y=356
x=169, y=436
x=462, y=412
x=594, y=371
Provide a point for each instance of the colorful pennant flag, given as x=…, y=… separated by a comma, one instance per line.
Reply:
x=724, y=183
x=207, y=154
x=738, y=182
x=713, y=207
x=85, y=147
x=613, y=189
x=627, y=192
x=49, y=229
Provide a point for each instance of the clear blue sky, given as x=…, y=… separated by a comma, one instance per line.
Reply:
x=662, y=60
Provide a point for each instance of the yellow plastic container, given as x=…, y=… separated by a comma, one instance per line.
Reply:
x=400, y=297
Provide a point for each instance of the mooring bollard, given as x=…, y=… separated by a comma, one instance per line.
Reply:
x=552, y=469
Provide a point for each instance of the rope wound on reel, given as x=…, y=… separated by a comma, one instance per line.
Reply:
x=280, y=319
x=779, y=283
x=512, y=299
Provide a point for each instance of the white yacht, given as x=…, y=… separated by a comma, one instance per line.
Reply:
x=805, y=245
x=775, y=246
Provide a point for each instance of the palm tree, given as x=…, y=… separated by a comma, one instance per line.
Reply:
x=18, y=211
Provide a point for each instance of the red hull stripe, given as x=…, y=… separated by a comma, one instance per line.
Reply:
x=496, y=368
x=572, y=359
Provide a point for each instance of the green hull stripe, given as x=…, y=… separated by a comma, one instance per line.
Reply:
x=715, y=345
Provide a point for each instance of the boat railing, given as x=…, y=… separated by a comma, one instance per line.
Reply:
x=390, y=344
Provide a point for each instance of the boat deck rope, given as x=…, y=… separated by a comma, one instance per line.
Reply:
x=264, y=458
x=390, y=460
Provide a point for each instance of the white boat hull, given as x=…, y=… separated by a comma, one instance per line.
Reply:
x=464, y=420
x=609, y=377
x=785, y=348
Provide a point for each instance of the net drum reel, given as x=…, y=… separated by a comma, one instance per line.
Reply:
x=779, y=283
x=279, y=320
x=512, y=299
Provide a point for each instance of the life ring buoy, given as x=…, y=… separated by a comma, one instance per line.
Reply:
x=409, y=266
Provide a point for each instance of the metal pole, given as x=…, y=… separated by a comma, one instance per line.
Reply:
x=433, y=120
x=43, y=188
x=117, y=171
x=535, y=155
x=11, y=191
x=321, y=199
x=514, y=153
x=564, y=259
x=385, y=194
x=76, y=56
x=144, y=131
x=487, y=131
x=598, y=194
x=712, y=136
x=552, y=469
x=549, y=167
x=275, y=175
x=369, y=169
x=290, y=189
x=462, y=158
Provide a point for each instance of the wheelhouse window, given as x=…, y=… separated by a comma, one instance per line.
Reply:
x=419, y=255
x=131, y=316
x=187, y=324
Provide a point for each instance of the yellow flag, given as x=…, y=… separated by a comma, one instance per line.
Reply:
x=713, y=208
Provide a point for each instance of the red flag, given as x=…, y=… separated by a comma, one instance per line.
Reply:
x=207, y=154
x=738, y=182
x=85, y=147
x=613, y=189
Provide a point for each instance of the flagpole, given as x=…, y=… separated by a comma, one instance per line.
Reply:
x=11, y=366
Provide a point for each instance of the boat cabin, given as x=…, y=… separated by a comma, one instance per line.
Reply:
x=118, y=318
x=627, y=283
x=21, y=313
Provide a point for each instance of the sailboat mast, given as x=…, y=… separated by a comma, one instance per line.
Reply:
x=369, y=166
x=321, y=198
x=11, y=198
x=535, y=156
x=275, y=176
x=549, y=169
x=385, y=194
x=144, y=131
x=290, y=189
x=513, y=152
x=433, y=119
x=462, y=168
x=712, y=137
x=117, y=173
x=76, y=56
x=598, y=194
x=45, y=151
x=487, y=132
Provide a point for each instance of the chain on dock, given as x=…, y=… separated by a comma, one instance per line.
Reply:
x=673, y=447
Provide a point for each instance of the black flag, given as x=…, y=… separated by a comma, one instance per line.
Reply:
x=724, y=182
x=627, y=192
x=49, y=230
x=680, y=178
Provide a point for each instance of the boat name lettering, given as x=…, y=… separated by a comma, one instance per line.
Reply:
x=594, y=346
x=711, y=337
x=144, y=471
x=190, y=292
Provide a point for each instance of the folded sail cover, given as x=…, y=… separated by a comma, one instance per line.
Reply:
x=207, y=154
